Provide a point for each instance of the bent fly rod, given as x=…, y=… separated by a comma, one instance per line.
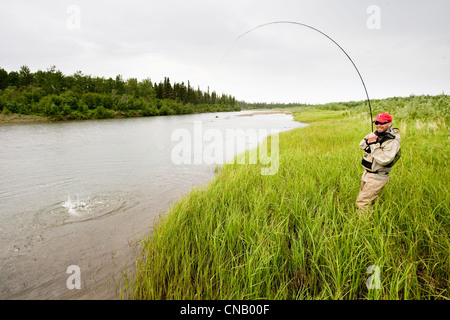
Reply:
x=324, y=34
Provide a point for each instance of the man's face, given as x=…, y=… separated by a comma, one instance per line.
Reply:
x=382, y=127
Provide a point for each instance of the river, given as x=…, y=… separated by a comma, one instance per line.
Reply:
x=84, y=193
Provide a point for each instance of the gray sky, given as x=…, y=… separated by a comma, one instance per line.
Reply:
x=400, y=47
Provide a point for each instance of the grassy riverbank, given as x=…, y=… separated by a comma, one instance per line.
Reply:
x=297, y=234
x=21, y=118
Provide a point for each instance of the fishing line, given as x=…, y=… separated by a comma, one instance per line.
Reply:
x=317, y=30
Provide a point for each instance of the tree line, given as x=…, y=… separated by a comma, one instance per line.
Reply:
x=268, y=105
x=57, y=96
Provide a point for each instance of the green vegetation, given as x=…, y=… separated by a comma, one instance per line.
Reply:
x=58, y=97
x=297, y=234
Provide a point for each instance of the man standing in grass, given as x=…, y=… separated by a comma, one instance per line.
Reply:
x=381, y=151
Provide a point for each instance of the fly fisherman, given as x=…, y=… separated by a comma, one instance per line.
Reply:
x=381, y=151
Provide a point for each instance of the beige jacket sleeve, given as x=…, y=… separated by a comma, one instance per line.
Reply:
x=363, y=144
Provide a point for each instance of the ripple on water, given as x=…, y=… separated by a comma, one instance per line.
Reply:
x=94, y=207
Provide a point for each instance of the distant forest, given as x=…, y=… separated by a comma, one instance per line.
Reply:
x=271, y=105
x=60, y=97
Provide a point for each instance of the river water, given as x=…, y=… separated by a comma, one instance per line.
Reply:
x=84, y=193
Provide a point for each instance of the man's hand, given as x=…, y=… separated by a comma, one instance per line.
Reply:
x=371, y=137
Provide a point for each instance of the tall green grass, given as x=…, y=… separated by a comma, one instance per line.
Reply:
x=298, y=235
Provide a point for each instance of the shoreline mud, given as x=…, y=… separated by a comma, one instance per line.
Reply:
x=21, y=118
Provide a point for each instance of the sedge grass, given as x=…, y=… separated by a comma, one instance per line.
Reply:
x=298, y=235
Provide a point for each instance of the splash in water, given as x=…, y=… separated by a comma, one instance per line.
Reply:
x=77, y=207
x=93, y=207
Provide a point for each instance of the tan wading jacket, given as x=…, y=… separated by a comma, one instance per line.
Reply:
x=379, y=157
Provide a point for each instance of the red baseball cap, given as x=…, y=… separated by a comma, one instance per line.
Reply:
x=383, y=117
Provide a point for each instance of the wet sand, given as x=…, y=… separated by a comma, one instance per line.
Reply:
x=104, y=249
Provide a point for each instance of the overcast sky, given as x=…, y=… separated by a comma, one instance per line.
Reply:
x=401, y=47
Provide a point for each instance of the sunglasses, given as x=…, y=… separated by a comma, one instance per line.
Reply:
x=383, y=123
